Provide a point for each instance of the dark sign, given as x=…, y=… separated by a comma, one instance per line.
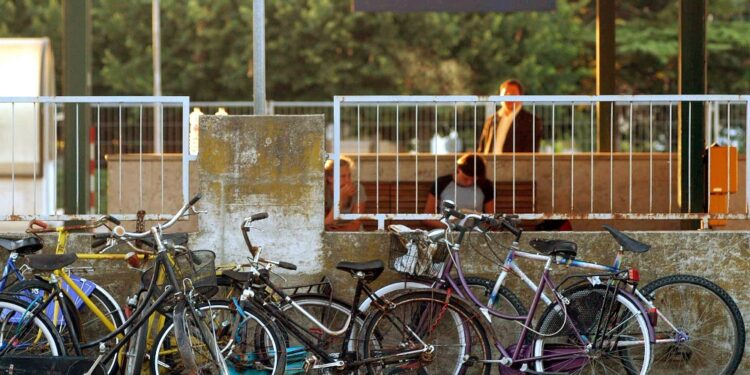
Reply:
x=412, y=6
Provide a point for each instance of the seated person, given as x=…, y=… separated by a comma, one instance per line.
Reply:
x=469, y=189
x=352, y=199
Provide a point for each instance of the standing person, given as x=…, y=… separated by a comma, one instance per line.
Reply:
x=468, y=188
x=512, y=128
x=353, y=198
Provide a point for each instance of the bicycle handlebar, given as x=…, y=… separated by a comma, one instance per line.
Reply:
x=166, y=225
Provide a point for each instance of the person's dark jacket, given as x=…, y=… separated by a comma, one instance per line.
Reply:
x=526, y=140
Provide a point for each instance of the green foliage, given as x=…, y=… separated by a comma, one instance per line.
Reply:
x=319, y=48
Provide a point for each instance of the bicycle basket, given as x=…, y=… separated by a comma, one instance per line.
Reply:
x=412, y=253
x=197, y=265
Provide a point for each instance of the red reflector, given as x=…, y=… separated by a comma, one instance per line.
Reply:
x=634, y=275
x=653, y=316
x=132, y=259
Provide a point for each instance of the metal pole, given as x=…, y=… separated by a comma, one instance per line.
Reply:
x=156, y=47
x=259, y=57
x=692, y=80
x=76, y=82
x=605, y=71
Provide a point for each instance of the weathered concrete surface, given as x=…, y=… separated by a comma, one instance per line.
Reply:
x=274, y=164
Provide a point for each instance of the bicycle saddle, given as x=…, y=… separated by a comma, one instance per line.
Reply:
x=371, y=269
x=50, y=262
x=626, y=242
x=23, y=246
x=562, y=248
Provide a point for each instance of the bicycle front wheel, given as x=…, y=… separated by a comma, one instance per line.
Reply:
x=249, y=343
x=426, y=332
x=594, y=333
x=24, y=334
x=699, y=329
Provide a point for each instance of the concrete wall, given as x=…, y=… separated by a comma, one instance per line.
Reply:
x=274, y=164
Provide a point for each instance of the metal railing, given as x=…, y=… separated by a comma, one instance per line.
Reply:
x=34, y=164
x=570, y=179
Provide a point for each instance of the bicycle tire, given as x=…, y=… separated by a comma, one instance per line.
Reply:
x=84, y=325
x=695, y=299
x=429, y=308
x=45, y=327
x=507, y=302
x=583, y=309
x=136, y=347
x=165, y=342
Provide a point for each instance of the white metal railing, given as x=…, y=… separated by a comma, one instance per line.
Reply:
x=130, y=125
x=648, y=191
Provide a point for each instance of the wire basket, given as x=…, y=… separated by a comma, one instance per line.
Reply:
x=414, y=254
x=197, y=265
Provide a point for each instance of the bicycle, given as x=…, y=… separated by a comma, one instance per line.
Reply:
x=84, y=295
x=175, y=284
x=696, y=315
x=393, y=337
x=528, y=351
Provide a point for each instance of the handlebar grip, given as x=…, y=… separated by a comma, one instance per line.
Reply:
x=102, y=235
x=195, y=199
x=38, y=223
x=259, y=216
x=288, y=266
x=98, y=242
x=455, y=213
x=512, y=228
x=112, y=219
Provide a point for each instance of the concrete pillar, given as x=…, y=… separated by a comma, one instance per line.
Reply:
x=274, y=164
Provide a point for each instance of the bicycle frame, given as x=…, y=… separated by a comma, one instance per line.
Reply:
x=462, y=288
x=10, y=267
x=346, y=332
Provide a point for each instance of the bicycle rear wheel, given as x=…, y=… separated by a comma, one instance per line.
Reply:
x=700, y=329
x=444, y=333
x=613, y=329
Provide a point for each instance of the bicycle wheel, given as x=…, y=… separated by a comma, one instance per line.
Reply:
x=610, y=336
x=268, y=357
x=451, y=330
x=24, y=334
x=88, y=326
x=700, y=329
x=506, y=302
x=333, y=314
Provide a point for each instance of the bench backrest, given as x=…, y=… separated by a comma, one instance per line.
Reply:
x=412, y=196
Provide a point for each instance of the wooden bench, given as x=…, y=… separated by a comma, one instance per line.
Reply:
x=381, y=198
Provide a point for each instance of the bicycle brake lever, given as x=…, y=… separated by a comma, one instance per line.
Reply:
x=196, y=211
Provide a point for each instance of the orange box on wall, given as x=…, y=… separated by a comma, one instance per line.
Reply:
x=722, y=162
x=722, y=180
